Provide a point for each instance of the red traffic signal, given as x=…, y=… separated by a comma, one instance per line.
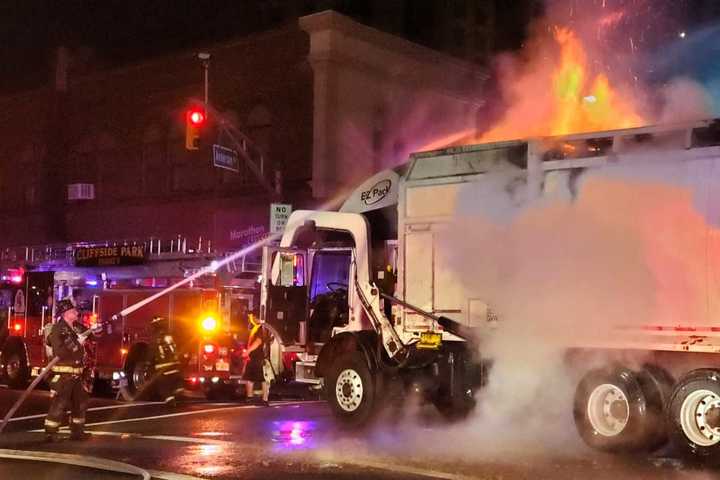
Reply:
x=194, y=122
x=196, y=117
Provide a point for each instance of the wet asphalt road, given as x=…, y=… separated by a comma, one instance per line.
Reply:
x=293, y=440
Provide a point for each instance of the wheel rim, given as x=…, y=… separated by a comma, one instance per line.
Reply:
x=140, y=374
x=349, y=390
x=12, y=367
x=696, y=417
x=608, y=410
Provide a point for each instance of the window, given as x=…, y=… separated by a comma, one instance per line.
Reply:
x=121, y=173
x=707, y=136
x=290, y=270
x=331, y=270
x=590, y=147
x=155, y=169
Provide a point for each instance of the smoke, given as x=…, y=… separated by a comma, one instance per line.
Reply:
x=684, y=100
x=590, y=66
x=629, y=245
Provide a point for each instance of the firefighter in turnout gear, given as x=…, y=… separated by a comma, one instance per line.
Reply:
x=67, y=388
x=168, y=378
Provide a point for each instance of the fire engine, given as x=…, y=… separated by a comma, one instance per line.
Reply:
x=362, y=302
x=207, y=317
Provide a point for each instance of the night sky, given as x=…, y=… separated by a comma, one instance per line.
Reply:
x=107, y=33
x=104, y=32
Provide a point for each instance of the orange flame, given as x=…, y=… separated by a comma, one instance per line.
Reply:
x=564, y=99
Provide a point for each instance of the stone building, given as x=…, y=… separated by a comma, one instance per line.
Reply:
x=327, y=100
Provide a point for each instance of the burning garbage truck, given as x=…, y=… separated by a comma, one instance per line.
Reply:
x=201, y=326
x=363, y=303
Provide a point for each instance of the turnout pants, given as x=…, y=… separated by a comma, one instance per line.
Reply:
x=67, y=393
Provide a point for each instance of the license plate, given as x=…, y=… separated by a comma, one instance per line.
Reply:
x=221, y=366
x=430, y=340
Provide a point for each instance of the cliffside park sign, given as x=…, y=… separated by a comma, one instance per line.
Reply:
x=118, y=255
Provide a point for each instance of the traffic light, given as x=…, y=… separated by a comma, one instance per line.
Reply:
x=194, y=123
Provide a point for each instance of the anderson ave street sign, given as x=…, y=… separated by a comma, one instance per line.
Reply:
x=226, y=158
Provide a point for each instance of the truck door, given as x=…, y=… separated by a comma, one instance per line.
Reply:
x=329, y=293
x=284, y=294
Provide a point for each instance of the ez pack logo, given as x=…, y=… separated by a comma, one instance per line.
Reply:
x=376, y=193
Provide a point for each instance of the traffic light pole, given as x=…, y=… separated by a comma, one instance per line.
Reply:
x=205, y=60
x=243, y=145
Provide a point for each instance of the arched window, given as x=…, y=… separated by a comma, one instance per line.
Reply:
x=259, y=126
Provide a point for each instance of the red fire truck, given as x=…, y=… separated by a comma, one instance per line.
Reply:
x=207, y=317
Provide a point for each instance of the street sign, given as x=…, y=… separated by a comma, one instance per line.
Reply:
x=226, y=158
x=279, y=214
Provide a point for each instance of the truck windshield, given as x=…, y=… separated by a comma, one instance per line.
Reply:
x=330, y=271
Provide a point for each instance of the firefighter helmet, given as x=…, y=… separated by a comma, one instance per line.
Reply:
x=64, y=305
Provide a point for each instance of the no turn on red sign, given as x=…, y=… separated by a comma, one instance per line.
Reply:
x=279, y=214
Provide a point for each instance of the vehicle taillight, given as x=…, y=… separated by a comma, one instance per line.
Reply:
x=17, y=327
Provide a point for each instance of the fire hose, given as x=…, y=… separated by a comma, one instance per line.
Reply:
x=128, y=310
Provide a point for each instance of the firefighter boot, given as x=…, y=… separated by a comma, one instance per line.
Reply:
x=80, y=436
x=51, y=431
x=77, y=427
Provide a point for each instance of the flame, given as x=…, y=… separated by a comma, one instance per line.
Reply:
x=566, y=98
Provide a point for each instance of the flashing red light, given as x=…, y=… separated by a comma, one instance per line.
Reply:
x=193, y=380
x=209, y=348
x=196, y=117
x=16, y=279
x=17, y=327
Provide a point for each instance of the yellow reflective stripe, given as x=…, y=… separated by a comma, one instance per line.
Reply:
x=63, y=369
x=163, y=365
x=78, y=420
x=51, y=423
x=170, y=372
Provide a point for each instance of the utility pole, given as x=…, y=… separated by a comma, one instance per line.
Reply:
x=205, y=62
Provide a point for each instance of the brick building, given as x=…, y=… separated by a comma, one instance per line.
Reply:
x=327, y=101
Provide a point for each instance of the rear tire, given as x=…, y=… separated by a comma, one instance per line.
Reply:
x=694, y=415
x=612, y=412
x=139, y=373
x=351, y=390
x=15, y=369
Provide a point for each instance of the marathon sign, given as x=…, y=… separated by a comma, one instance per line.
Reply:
x=119, y=255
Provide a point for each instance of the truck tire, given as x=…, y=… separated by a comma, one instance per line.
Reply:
x=612, y=412
x=351, y=390
x=657, y=385
x=139, y=372
x=694, y=415
x=15, y=368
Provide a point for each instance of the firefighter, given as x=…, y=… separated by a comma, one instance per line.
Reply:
x=255, y=360
x=67, y=388
x=167, y=367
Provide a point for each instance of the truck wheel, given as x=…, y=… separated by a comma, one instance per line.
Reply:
x=351, y=390
x=138, y=371
x=694, y=414
x=612, y=412
x=657, y=385
x=15, y=369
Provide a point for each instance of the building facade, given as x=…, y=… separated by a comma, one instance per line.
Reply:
x=327, y=100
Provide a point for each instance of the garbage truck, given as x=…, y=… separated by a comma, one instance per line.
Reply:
x=360, y=303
